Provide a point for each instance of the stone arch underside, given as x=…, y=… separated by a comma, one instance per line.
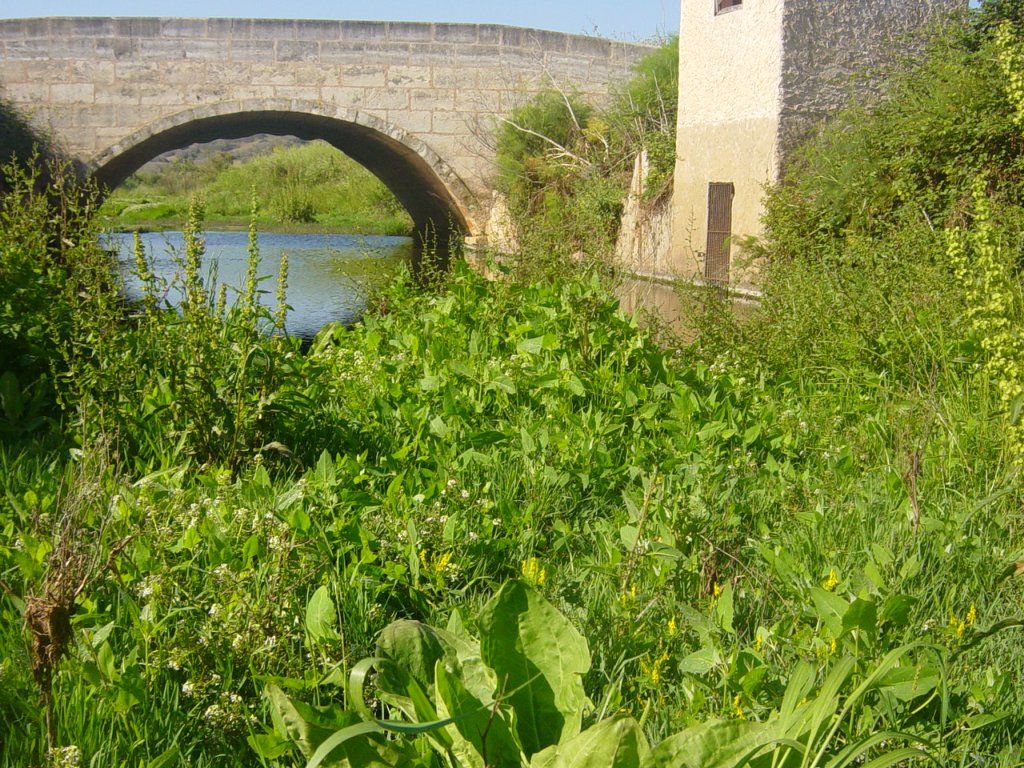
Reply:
x=435, y=197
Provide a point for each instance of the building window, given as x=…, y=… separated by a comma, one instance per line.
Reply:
x=716, y=259
x=723, y=6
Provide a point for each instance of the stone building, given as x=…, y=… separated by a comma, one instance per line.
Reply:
x=755, y=76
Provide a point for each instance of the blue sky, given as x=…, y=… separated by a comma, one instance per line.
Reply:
x=623, y=19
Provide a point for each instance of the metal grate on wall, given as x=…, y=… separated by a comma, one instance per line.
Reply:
x=716, y=261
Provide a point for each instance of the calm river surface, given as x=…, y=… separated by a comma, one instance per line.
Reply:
x=329, y=276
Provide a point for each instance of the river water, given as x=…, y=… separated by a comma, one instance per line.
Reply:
x=329, y=276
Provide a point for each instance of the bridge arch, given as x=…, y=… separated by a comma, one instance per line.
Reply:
x=437, y=200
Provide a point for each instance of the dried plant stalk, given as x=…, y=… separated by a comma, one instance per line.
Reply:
x=73, y=562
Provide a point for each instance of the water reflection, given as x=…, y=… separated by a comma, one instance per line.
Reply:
x=330, y=277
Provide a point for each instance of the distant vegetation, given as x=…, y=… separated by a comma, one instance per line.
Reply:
x=304, y=187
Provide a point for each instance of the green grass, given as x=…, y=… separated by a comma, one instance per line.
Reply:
x=307, y=188
x=429, y=459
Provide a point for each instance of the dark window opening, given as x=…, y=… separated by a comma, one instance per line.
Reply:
x=721, y=6
x=716, y=259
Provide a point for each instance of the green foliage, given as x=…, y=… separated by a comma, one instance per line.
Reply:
x=993, y=13
x=856, y=272
x=908, y=160
x=308, y=186
x=54, y=280
x=565, y=165
x=709, y=529
x=644, y=115
x=794, y=543
x=515, y=697
x=536, y=136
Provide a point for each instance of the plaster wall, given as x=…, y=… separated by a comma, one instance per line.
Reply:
x=840, y=49
x=742, y=152
x=730, y=99
x=644, y=244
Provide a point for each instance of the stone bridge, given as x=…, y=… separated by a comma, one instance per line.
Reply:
x=416, y=103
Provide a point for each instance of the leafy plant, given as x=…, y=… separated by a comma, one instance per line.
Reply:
x=515, y=697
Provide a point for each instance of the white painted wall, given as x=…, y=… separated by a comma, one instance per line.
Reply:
x=730, y=98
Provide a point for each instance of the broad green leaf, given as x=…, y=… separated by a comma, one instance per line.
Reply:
x=531, y=346
x=909, y=682
x=881, y=555
x=724, y=610
x=334, y=744
x=862, y=615
x=799, y=686
x=459, y=367
x=615, y=742
x=540, y=658
x=700, y=662
x=290, y=722
x=269, y=746
x=505, y=383
x=714, y=744
x=830, y=608
x=975, y=722
x=910, y=568
x=321, y=616
x=481, y=735
x=355, y=743
x=164, y=759
x=896, y=609
x=438, y=427
x=751, y=434
x=417, y=647
x=398, y=689
x=881, y=741
x=575, y=386
x=629, y=534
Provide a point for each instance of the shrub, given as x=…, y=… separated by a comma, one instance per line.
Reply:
x=566, y=165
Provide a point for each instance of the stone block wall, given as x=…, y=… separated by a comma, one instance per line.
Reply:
x=100, y=86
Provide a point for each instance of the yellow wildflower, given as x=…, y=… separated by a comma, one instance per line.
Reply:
x=830, y=583
x=653, y=669
x=533, y=571
x=962, y=625
x=441, y=563
x=672, y=629
x=737, y=708
x=626, y=599
x=759, y=643
x=717, y=590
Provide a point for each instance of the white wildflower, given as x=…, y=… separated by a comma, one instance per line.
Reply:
x=65, y=757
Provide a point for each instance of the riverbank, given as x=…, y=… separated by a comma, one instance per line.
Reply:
x=240, y=224
x=299, y=188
